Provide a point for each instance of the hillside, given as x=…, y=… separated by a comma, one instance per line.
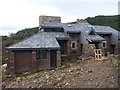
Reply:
x=13, y=38
x=111, y=21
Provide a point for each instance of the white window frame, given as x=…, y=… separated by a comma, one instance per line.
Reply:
x=104, y=42
x=75, y=45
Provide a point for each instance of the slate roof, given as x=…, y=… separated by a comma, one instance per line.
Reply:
x=55, y=23
x=41, y=40
x=76, y=27
x=48, y=40
x=95, y=38
x=103, y=29
x=107, y=30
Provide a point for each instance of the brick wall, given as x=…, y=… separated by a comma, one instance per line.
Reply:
x=110, y=48
x=21, y=61
x=70, y=50
x=44, y=63
x=11, y=63
x=58, y=58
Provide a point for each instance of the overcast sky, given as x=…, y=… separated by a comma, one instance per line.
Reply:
x=19, y=14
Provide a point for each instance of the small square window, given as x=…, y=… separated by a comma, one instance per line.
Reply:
x=41, y=54
x=104, y=44
x=73, y=45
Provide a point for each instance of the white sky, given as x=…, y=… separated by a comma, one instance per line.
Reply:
x=20, y=14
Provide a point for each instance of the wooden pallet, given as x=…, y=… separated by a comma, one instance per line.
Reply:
x=98, y=54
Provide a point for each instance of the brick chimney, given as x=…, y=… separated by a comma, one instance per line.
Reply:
x=47, y=19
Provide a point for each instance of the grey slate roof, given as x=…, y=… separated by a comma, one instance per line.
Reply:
x=85, y=28
x=48, y=40
x=55, y=23
x=95, y=38
x=107, y=30
x=41, y=40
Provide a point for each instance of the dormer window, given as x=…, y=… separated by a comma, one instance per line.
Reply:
x=92, y=33
x=54, y=29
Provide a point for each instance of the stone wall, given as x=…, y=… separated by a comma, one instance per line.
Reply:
x=46, y=19
x=117, y=48
x=88, y=50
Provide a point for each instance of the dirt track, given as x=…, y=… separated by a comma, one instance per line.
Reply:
x=86, y=74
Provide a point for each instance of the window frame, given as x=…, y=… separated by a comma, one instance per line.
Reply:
x=104, y=44
x=74, y=35
x=41, y=54
x=75, y=45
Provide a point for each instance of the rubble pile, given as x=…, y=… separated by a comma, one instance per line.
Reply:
x=87, y=74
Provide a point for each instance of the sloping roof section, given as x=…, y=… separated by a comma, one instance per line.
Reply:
x=95, y=38
x=107, y=30
x=81, y=27
x=55, y=23
x=102, y=29
x=41, y=40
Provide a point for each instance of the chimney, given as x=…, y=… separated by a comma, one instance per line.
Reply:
x=47, y=19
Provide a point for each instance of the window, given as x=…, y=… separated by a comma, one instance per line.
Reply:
x=104, y=44
x=73, y=45
x=53, y=30
x=41, y=54
x=92, y=33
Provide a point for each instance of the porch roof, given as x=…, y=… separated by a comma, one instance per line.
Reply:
x=95, y=38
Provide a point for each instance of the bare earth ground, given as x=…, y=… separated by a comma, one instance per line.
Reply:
x=86, y=74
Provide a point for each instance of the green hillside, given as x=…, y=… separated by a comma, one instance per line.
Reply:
x=13, y=38
x=111, y=21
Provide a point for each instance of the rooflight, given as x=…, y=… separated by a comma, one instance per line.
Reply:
x=69, y=25
x=90, y=26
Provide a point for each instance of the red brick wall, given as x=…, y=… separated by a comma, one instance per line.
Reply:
x=109, y=47
x=45, y=63
x=58, y=58
x=11, y=63
x=20, y=61
x=23, y=61
x=77, y=50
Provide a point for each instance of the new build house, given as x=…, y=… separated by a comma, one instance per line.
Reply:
x=55, y=40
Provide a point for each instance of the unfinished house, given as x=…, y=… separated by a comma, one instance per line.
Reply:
x=55, y=40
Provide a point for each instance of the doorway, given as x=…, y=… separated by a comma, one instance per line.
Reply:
x=53, y=59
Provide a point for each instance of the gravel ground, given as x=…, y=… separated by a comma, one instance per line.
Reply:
x=86, y=74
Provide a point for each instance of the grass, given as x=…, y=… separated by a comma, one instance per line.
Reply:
x=116, y=58
x=19, y=75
